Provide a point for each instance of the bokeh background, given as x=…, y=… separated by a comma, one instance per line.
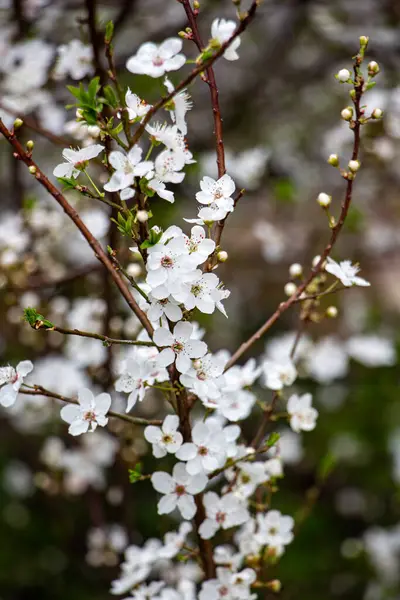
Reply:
x=67, y=508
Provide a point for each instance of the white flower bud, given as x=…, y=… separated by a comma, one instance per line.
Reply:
x=377, y=113
x=134, y=270
x=93, y=130
x=290, y=289
x=347, y=113
x=324, y=200
x=295, y=270
x=142, y=216
x=333, y=160
x=354, y=165
x=373, y=68
x=332, y=312
x=344, y=75
x=316, y=260
x=222, y=256
x=32, y=169
x=364, y=39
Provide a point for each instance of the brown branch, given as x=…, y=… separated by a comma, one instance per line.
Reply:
x=88, y=334
x=38, y=390
x=199, y=69
x=355, y=125
x=31, y=124
x=100, y=254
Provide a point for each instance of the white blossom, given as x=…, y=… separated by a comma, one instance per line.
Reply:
x=155, y=61
x=277, y=375
x=302, y=415
x=229, y=585
x=164, y=439
x=202, y=377
x=221, y=513
x=206, y=452
x=346, y=272
x=76, y=160
x=138, y=374
x=181, y=104
x=372, y=350
x=127, y=167
x=222, y=30
x=178, y=490
x=181, y=347
x=202, y=292
x=275, y=530
x=74, y=59
x=90, y=412
x=136, y=107
x=165, y=306
x=11, y=380
x=217, y=196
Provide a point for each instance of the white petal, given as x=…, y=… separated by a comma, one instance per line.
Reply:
x=187, y=451
x=208, y=529
x=187, y=506
x=24, y=368
x=103, y=403
x=162, y=482
x=70, y=412
x=85, y=398
x=78, y=427
x=171, y=424
x=167, y=504
x=163, y=337
x=152, y=434
x=166, y=357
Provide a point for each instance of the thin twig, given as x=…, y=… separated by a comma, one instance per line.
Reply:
x=38, y=390
x=100, y=254
x=356, y=125
x=95, y=336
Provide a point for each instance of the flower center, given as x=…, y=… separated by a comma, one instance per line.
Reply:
x=167, y=262
x=220, y=517
x=272, y=531
x=218, y=194
x=167, y=439
x=223, y=591
x=196, y=290
x=203, y=451
x=89, y=416
x=245, y=479
x=177, y=347
x=201, y=375
x=180, y=490
x=158, y=61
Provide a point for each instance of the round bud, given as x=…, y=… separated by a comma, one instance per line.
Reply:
x=354, y=165
x=295, y=270
x=182, y=34
x=134, y=270
x=324, y=200
x=347, y=113
x=344, y=75
x=29, y=145
x=222, y=256
x=142, y=216
x=196, y=5
x=274, y=585
x=332, y=312
x=377, y=113
x=79, y=113
x=316, y=260
x=333, y=160
x=18, y=123
x=364, y=39
x=373, y=68
x=32, y=169
x=290, y=288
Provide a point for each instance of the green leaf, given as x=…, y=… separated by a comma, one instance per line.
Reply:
x=93, y=88
x=36, y=320
x=117, y=129
x=273, y=439
x=110, y=97
x=135, y=474
x=109, y=32
x=68, y=183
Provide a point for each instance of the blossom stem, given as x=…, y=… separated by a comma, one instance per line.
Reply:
x=38, y=390
x=97, y=336
x=96, y=189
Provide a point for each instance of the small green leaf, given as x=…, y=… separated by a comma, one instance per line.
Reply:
x=68, y=183
x=110, y=96
x=136, y=473
x=273, y=439
x=36, y=320
x=109, y=32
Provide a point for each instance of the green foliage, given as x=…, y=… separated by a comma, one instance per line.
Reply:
x=36, y=320
x=109, y=32
x=124, y=224
x=135, y=474
x=88, y=101
x=153, y=239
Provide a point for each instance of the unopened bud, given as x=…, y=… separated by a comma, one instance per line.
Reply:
x=332, y=312
x=274, y=585
x=142, y=216
x=93, y=130
x=32, y=169
x=324, y=200
x=373, y=68
x=196, y=5
x=316, y=260
x=354, y=165
x=222, y=256
x=347, y=113
x=18, y=123
x=79, y=113
x=295, y=270
x=353, y=94
x=290, y=289
x=364, y=41
x=29, y=145
x=333, y=160
x=134, y=270
x=343, y=75
x=377, y=113
x=182, y=34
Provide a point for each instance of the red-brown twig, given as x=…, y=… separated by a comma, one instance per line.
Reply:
x=100, y=254
x=356, y=125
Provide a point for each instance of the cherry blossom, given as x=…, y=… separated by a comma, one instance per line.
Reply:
x=217, y=195
x=74, y=59
x=76, y=160
x=181, y=104
x=127, y=167
x=229, y=585
x=202, y=377
x=138, y=374
x=136, y=107
x=11, y=380
x=155, y=61
x=178, y=490
x=181, y=346
x=277, y=375
x=164, y=439
x=302, y=415
x=346, y=272
x=207, y=450
x=202, y=292
x=221, y=31
x=200, y=247
x=165, y=306
x=221, y=513
x=90, y=412
x=274, y=530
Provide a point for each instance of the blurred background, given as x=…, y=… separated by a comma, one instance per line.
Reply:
x=67, y=509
